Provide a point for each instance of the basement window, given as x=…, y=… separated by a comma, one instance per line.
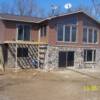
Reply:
x=22, y=52
x=89, y=55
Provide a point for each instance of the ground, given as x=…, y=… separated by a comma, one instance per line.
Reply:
x=55, y=85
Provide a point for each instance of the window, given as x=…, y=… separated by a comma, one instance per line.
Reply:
x=89, y=35
x=74, y=34
x=89, y=55
x=95, y=36
x=67, y=33
x=22, y=52
x=85, y=35
x=20, y=32
x=72, y=20
x=24, y=32
x=60, y=32
x=43, y=30
x=70, y=33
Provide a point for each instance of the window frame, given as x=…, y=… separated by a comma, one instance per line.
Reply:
x=93, y=56
x=44, y=33
x=70, y=25
x=57, y=33
x=20, y=52
x=93, y=30
x=23, y=32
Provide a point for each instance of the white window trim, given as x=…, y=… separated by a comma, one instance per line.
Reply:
x=43, y=35
x=93, y=29
x=63, y=41
x=23, y=31
x=57, y=34
x=93, y=54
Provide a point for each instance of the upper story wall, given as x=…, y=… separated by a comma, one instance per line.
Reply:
x=53, y=27
x=79, y=20
x=9, y=29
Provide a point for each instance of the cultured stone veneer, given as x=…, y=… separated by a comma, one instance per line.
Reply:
x=52, y=57
x=1, y=58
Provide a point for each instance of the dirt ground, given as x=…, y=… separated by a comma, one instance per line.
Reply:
x=55, y=85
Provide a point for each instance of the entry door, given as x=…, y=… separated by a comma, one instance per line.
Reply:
x=70, y=58
x=62, y=59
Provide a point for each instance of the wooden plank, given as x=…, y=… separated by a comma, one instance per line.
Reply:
x=25, y=42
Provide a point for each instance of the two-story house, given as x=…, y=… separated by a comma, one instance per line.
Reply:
x=68, y=40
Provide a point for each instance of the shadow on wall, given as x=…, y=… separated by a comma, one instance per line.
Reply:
x=25, y=61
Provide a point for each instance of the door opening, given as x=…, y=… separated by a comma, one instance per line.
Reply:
x=70, y=58
x=62, y=59
x=66, y=59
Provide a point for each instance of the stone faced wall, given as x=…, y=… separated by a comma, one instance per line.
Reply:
x=1, y=55
x=22, y=62
x=10, y=59
x=52, y=59
x=98, y=58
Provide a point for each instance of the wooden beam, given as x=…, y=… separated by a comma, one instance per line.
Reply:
x=16, y=57
x=25, y=42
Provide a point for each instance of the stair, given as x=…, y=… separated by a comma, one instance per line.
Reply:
x=42, y=53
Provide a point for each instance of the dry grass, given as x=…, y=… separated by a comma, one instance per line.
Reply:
x=56, y=85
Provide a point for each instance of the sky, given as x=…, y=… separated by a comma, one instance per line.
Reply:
x=46, y=4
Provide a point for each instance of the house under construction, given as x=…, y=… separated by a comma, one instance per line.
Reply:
x=68, y=40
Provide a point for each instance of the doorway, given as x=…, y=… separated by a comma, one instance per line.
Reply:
x=70, y=58
x=62, y=59
x=66, y=59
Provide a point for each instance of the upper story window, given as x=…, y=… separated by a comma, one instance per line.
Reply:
x=66, y=33
x=24, y=32
x=60, y=32
x=43, y=31
x=72, y=20
x=90, y=35
x=88, y=22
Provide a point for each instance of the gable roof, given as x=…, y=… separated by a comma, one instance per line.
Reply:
x=40, y=20
x=70, y=13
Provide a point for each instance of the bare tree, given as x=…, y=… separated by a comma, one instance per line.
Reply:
x=4, y=8
x=22, y=7
x=26, y=7
x=87, y=9
x=96, y=5
x=29, y=8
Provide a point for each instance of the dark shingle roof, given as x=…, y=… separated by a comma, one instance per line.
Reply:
x=39, y=20
x=71, y=13
x=19, y=18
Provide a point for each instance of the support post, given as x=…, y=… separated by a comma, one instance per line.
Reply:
x=16, y=57
x=38, y=58
x=16, y=50
x=39, y=33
